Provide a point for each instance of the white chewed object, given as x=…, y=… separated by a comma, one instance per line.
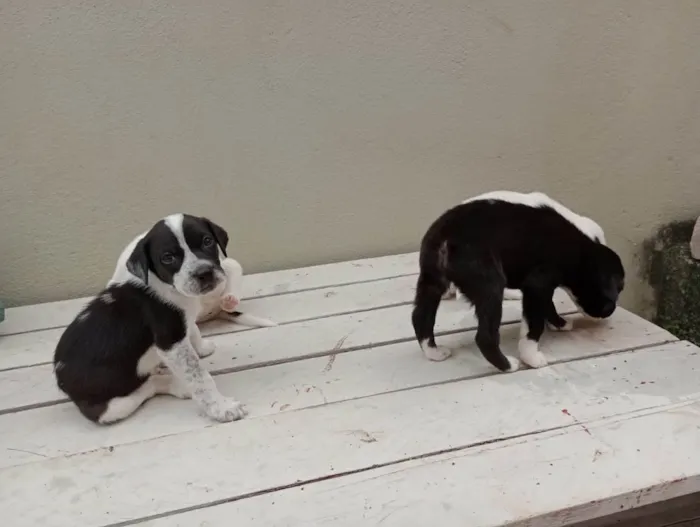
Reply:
x=695, y=241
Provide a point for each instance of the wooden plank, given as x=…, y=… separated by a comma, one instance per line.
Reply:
x=550, y=480
x=292, y=386
x=20, y=351
x=222, y=462
x=29, y=387
x=59, y=314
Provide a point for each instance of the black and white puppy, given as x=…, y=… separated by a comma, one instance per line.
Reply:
x=520, y=241
x=109, y=359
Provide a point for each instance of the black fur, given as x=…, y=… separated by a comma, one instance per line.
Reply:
x=97, y=355
x=485, y=246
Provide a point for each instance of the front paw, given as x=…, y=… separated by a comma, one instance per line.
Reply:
x=435, y=353
x=207, y=348
x=530, y=353
x=226, y=410
x=229, y=303
x=560, y=324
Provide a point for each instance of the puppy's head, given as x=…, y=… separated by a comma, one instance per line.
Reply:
x=183, y=252
x=598, y=282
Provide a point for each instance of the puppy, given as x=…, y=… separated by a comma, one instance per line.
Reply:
x=527, y=242
x=223, y=304
x=534, y=199
x=108, y=359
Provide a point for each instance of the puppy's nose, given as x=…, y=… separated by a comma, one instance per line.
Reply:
x=608, y=309
x=204, y=274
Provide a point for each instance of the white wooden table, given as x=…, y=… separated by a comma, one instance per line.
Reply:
x=351, y=426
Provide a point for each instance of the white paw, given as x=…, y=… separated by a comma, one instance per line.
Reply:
x=530, y=353
x=514, y=364
x=512, y=294
x=566, y=327
x=437, y=354
x=229, y=303
x=226, y=410
x=208, y=347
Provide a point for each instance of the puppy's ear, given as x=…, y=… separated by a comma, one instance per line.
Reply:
x=220, y=235
x=139, y=261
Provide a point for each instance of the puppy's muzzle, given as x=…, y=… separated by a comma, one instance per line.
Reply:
x=207, y=278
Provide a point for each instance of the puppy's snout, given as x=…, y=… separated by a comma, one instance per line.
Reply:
x=204, y=275
x=608, y=309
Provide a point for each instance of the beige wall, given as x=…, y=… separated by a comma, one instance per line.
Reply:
x=325, y=130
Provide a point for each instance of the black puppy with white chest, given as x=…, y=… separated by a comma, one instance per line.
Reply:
x=110, y=359
x=518, y=241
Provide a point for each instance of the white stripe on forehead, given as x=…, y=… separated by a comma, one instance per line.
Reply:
x=174, y=223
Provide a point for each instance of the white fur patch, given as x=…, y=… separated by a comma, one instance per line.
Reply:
x=183, y=280
x=530, y=353
x=122, y=407
x=514, y=363
x=82, y=317
x=437, y=354
x=529, y=350
x=538, y=199
x=107, y=298
x=148, y=362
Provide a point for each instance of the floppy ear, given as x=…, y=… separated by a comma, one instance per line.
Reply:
x=220, y=235
x=138, y=262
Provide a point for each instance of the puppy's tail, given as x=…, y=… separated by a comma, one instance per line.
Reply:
x=246, y=319
x=434, y=264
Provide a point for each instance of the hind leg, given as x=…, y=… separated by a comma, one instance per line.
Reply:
x=429, y=292
x=488, y=305
x=119, y=408
x=480, y=278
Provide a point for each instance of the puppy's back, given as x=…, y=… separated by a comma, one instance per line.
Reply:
x=98, y=353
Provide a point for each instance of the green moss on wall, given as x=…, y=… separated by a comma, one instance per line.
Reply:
x=675, y=277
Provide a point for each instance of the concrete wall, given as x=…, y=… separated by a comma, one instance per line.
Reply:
x=318, y=131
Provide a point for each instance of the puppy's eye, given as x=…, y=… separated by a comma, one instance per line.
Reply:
x=167, y=258
x=207, y=241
